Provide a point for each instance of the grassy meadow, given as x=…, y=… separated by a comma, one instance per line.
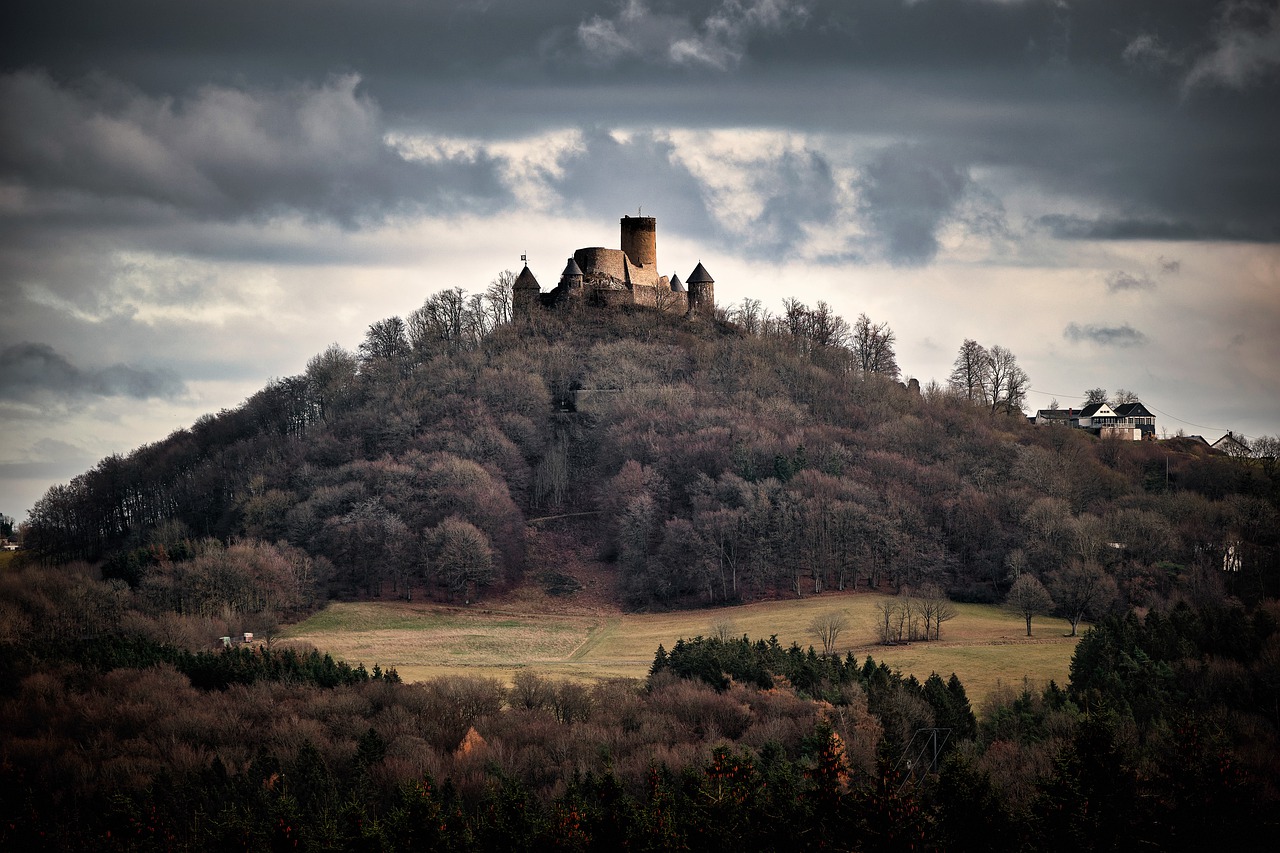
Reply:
x=983, y=645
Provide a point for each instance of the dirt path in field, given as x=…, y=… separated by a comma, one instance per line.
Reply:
x=594, y=639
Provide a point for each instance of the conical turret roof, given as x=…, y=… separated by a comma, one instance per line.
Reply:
x=700, y=275
x=676, y=284
x=526, y=281
x=572, y=269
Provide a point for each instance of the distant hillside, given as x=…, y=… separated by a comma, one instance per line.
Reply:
x=720, y=461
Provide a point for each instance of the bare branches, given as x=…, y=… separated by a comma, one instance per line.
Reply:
x=970, y=371
x=828, y=627
x=873, y=347
x=1028, y=598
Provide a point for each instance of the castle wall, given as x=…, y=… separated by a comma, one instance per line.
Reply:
x=600, y=260
x=641, y=275
x=614, y=298
x=660, y=297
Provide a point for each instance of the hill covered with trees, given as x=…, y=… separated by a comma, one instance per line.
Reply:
x=714, y=461
x=708, y=462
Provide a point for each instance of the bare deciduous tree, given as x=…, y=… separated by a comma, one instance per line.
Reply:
x=1082, y=589
x=886, y=615
x=1124, y=395
x=1028, y=597
x=1266, y=449
x=873, y=347
x=498, y=298
x=724, y=630
x=828, y=627
x=748, y=316
x=969, y=372
x=1007, y=383
x=935, y=608
x=385, y=340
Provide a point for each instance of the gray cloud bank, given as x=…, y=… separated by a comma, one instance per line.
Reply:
x=28, y=371
x=1160, y=131
x=908, y=194
x=1123, y=335
x=1120, y=281
x=227, y=152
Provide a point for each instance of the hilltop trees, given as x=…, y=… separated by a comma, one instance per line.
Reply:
x=969, y=373
x=1007, y=383
x=873, y=347
x=989, y=377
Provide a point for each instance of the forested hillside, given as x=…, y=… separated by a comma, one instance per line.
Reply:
x=708, y=462
x=715, y=461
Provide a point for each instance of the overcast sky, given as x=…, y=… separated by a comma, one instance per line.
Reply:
x=197, y=197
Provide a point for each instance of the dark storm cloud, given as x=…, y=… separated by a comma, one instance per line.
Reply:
x=1120, y=281
x=1108, y=336
x=1263, y=228
x=1160, y=115
x=794, y=189
x=639, y=171
x=798, y=189
x=1246, y=47
x=908, y=193
x=29, y=370
x=228, y=152
x=686, y=35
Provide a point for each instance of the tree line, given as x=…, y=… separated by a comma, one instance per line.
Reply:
x=752, y=455
x=1165, y=736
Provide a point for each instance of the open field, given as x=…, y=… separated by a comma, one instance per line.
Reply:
x=983, y=645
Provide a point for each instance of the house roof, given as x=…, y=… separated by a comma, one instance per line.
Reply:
x=1229, y=441
x=1056, y=414
x=1096, y=409
x=1132, y=410
x=700, y=275
x=526, y=281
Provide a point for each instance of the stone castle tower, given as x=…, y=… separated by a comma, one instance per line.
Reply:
x=624, y=276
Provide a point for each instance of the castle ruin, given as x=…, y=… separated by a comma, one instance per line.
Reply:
x=625, y=276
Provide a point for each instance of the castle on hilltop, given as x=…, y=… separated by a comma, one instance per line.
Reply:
x=625, y=276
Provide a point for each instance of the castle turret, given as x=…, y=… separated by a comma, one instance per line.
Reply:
x=571, y=279
x=640, y=240
x=702, y=291
x=676, y=284
x=524, y=292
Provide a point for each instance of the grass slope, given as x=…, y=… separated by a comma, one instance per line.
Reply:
x=983, y=645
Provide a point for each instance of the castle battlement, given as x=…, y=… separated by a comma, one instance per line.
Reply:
x=625, y=276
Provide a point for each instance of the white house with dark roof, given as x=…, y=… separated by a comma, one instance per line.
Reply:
x=1231, y=445
x=1124, y=420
